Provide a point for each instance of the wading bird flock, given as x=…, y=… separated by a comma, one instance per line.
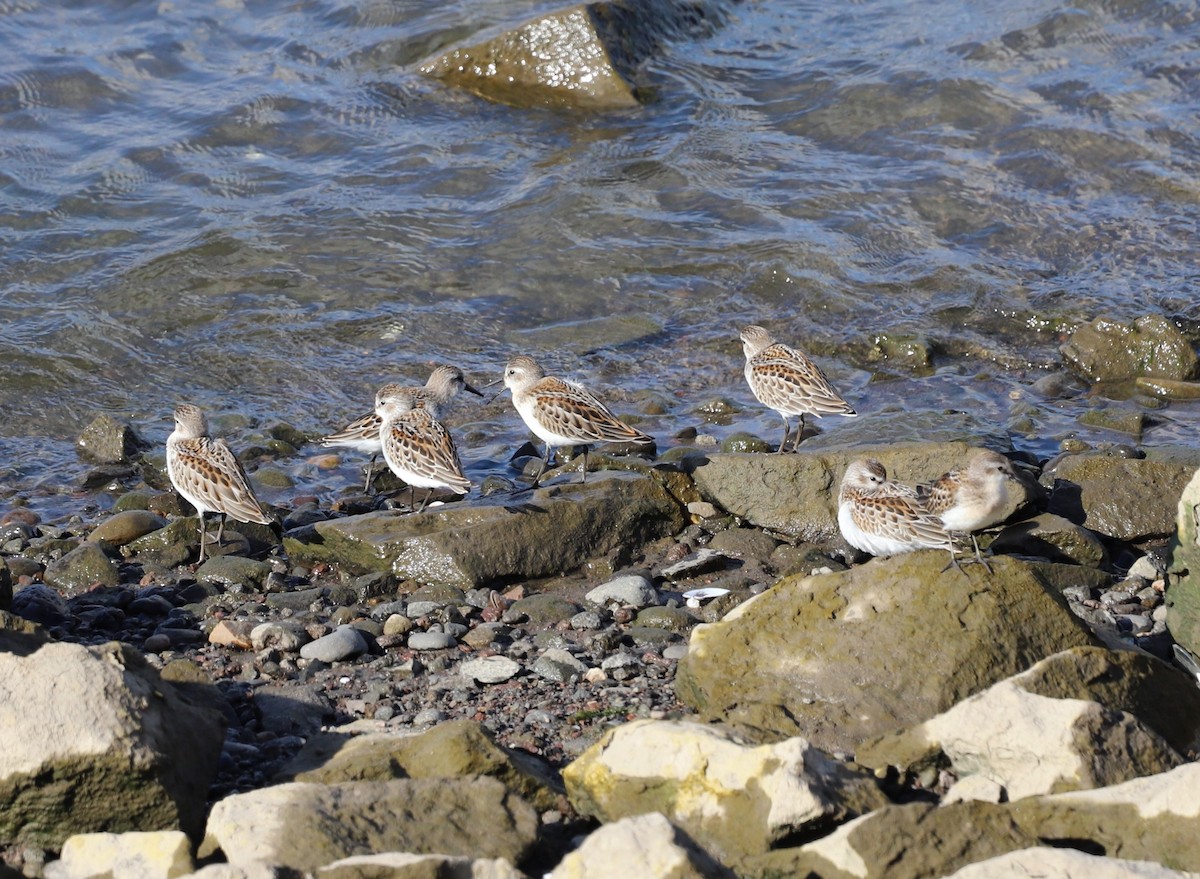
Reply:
x=875, y=514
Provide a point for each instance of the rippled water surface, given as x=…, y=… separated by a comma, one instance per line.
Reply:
x=263, y=208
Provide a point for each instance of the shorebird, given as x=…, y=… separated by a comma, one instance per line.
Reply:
x=886, y=518
x=969, y=499
x=362, y=433
x=563, y=413
x=787, y=381
x=417, y=447
x=208, y=474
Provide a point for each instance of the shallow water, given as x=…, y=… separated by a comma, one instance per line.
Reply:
x=265, y=209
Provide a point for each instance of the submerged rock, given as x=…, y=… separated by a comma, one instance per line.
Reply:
x=581, y=57
x=861, y=667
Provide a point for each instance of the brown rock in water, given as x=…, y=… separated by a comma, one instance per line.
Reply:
x=582, y=57
x=108, y=441
x=1106, y=350
x=840, y=658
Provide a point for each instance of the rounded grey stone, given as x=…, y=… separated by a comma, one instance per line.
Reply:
x=422, y=608
x=558, y=665
x=587, y=620
x=631, y=590
x=430, y=641
x=343, y=642
x=287, y=637
x=675, y=652
x=490, y=669
x=429, y=715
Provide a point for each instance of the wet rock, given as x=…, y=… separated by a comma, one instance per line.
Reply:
x=1030, y=743
x=582, y=57
x=796, y=494
x=1126, y=498
x=554, y=529
x=631, y=590
x=644, y=845
x=1172, y=390
x=82, y=568
x=305, y=826
x=1064, y=863
x=1116, y=418
x=490, y=669
x=739, y=799
x=108, y=441
x=234, y=573
x=144, y=855
x=401, y=865
x=1183, y=597
x=6, y=590
x=670, y=619
x=126, y=749
x=745, y=442
x=841, y=682
x=344, y=642
x=1105, y=350
x=168, y=547
x=126, y=527
x=455, y=749
x=1052, y=537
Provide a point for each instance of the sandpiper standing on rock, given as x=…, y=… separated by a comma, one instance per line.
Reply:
x=886, y=518
x=208, y=474
x=417, y=447
x=787, y=381
x=969, y=499
x=363, y=433
x=562, y=413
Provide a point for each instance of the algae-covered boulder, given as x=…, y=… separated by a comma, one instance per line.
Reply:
x=96, y=741
x=581, y=57
x=1183, y=596
x=1029, y=743
x=839, y=658
x=305, y=826
x=740, y=799
x=1130, y=499
x=83, y=567
x=646, y=846
x=540, y=534
x=797, y=494
x=1106, y=350
x=454, y=749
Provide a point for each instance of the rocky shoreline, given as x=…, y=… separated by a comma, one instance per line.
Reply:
x=529, y=684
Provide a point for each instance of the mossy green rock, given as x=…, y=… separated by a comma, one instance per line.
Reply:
x=235, y=573
x=83, y=567
x=168, y=547
x=1183, y=596
x=455, y=749
x=540, y=534
x=796, y=494
x=840, y=658
x=1126, y=498
x=1106, y=350
x=126, y=526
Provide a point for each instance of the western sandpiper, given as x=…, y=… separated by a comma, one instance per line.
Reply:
x=562, y=413
x=417, y=447
x=969, y=499
x=787, y=381
x=208, y=474
x=362, y=433
x=886, y=518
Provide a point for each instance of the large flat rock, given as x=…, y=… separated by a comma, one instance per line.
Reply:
x=534, y=534
x=840, y=658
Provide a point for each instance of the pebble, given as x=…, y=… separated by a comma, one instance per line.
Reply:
x=429, y=716
x=418, y=609
x=675, y=652
x=704, y=561
x=431, y=641
x=283, y=636
x=586, y=621
x=558, y=665
x=342, y=643
x=490, y=669
x=631, y=590
x=397, y=624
